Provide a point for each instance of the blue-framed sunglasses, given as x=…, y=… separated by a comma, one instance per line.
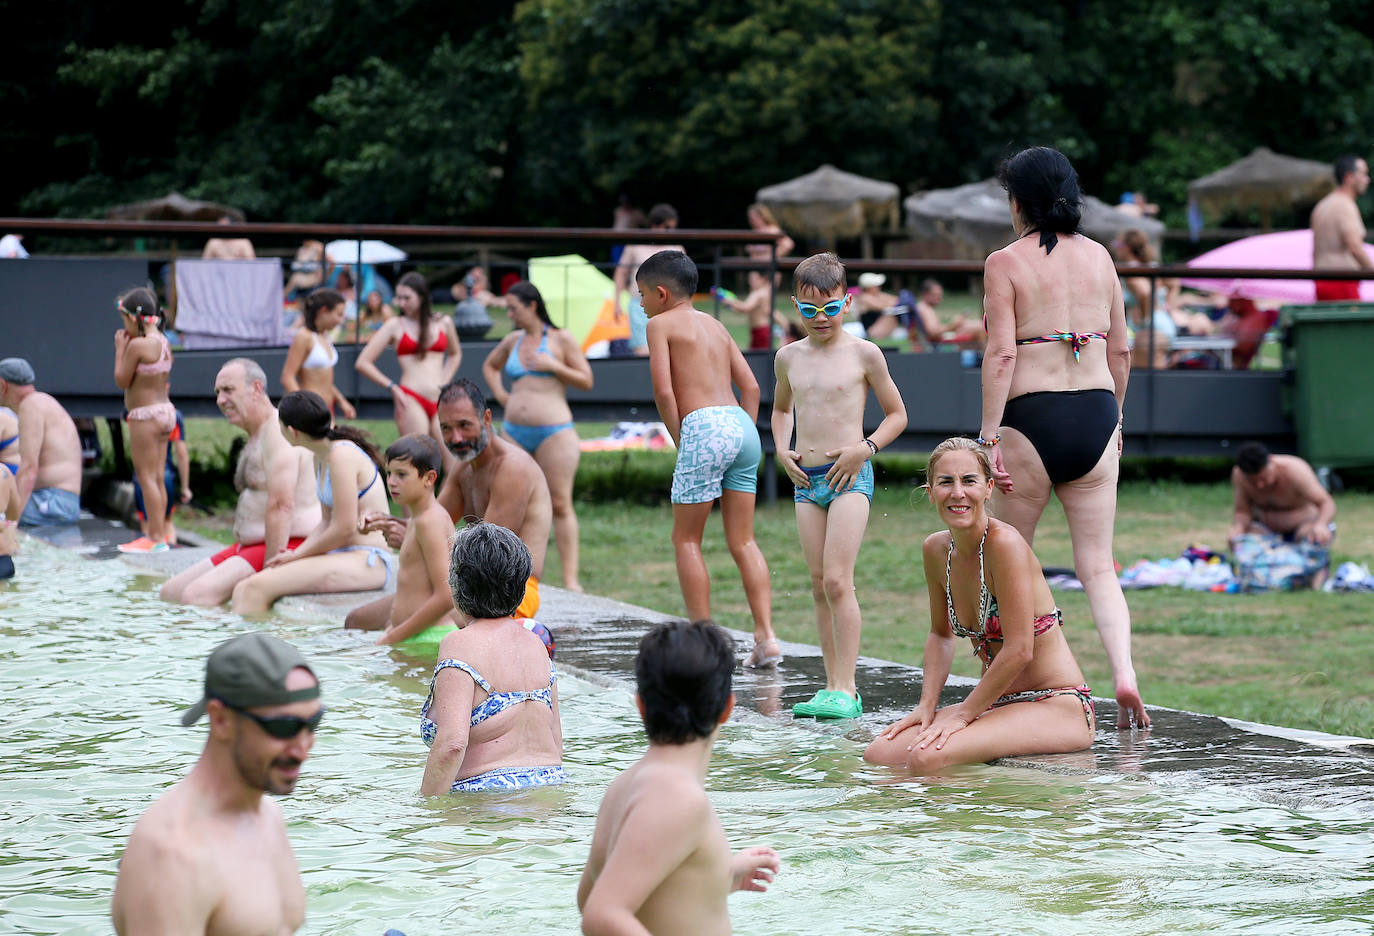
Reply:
x=810, y=311
x=282, y=727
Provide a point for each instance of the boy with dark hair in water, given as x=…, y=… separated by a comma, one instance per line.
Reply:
x=659, y=861
x=422, y=598
x=693, y=362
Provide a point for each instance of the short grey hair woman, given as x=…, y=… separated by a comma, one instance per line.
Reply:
x=491, y=720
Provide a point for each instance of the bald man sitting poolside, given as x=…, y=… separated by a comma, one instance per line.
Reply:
x=277, y=506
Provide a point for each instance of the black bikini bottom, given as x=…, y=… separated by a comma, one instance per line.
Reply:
x=1068, y=428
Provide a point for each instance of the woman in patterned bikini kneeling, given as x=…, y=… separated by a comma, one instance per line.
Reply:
x=1031, y=698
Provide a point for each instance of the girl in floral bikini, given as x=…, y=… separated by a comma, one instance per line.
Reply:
x=143, y=363
x=1031, y=698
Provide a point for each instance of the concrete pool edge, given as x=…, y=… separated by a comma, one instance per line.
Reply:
x=597, y=635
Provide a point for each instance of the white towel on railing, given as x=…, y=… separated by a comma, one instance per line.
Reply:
x=230, y=303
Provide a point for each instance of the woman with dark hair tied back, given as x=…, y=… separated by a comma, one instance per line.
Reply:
x=311, y=358
x=541, y=361
x=427, y=350
x=335, y=557
x=1054, y=383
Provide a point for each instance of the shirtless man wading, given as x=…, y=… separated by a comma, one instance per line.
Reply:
x=49, y=476
x=488, y=478
x=1338, y=231
x=277, y=505
x=211, y=855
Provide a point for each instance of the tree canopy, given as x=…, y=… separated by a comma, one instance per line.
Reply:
x=544, y=111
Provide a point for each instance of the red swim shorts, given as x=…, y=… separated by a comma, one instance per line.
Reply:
x=253, y=554
x=1338, y=290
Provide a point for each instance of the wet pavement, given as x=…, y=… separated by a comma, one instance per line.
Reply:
x=597, y=638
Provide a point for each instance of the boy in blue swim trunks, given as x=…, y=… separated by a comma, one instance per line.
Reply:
x=822, y=389
x=693, y=362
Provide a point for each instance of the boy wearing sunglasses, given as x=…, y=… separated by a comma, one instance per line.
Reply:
x=213, y=848
x=693, y=362
x=821, y=391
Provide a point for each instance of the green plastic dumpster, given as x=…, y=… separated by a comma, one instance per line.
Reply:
x=1328, y=356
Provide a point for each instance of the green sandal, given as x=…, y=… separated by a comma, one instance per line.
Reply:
x=830, y=703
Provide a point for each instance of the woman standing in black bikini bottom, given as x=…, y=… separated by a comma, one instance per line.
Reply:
x=1031, y=698
x=1054, y=382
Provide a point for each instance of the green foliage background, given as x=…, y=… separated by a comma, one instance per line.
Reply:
x=543, y=111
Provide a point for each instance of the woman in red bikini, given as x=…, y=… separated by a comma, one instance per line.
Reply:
x=1031, y=698
x=143, y=363
x=427, y=350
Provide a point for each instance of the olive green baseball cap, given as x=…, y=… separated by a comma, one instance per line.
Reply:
x=249, y=671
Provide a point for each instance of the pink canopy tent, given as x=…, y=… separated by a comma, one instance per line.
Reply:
x=1282, y=250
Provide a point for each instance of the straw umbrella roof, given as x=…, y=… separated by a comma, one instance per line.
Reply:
x=1264, y=180
x=173, y=207
x=975, y=218
x=831, y=203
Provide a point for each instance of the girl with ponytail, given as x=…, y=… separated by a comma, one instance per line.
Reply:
x=143, y=364
x=1054, y=384
x=335, y=557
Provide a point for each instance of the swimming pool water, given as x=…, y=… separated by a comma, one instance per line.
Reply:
x=96, y=671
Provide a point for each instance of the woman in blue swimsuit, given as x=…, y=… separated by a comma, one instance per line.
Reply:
x=491, y=721
x=539, y=362
x=1054, y=384
x=335, y=557
x=9, y=441
x=1031, y=698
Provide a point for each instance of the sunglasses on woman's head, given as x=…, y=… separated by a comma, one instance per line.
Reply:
x=810, y=310
x=282, y=727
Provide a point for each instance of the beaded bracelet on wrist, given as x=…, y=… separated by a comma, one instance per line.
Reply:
x=989, y=443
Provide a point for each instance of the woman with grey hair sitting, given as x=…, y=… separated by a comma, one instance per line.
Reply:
x=491, y=720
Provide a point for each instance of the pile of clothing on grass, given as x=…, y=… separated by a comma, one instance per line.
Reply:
x=1257, y=563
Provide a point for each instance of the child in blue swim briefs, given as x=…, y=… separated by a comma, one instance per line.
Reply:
x=694, y=362
x=822, y=389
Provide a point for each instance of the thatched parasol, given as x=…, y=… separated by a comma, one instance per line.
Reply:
x=173, y=207
x=829, y=204
x=1265, y=180
x=976, y=220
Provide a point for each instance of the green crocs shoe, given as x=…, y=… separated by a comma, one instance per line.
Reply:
x=809, y=708
x=830, y=703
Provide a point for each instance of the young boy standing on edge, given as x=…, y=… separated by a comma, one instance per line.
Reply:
x=693, y=361
x=422, y=597
x=659, y=861
x=822, y=388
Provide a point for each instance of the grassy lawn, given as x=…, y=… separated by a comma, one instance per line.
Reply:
x=1269, y=658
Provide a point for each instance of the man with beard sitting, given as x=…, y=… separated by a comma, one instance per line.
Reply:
x=486, y=478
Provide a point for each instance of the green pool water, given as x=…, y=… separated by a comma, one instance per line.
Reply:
x=96, y=670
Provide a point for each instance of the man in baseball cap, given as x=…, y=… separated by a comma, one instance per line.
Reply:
x=213, y=847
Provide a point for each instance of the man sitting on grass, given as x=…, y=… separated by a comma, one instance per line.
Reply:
x=1280, y=495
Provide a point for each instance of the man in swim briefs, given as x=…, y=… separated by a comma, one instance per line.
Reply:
x=487, y=478
x=1338, y=231
x=49, y=475
x=1280, y=495
x=277, y=505
x=211, y=854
